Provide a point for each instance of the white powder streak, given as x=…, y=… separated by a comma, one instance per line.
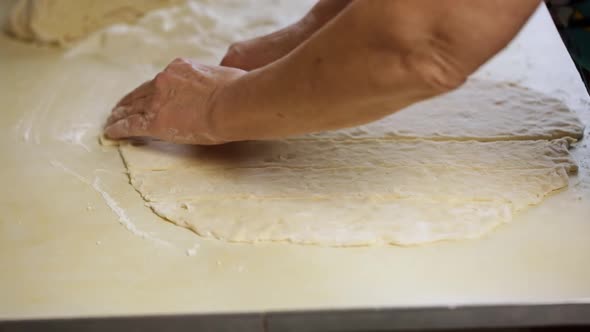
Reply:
x=193, y=250
x=57, y=164
x=75, y=135
x=24, y=128
x=113, y=205
x=123, y=218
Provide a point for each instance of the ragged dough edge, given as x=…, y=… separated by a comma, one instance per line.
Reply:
x=176, y=211
x=495, y=213
x=503, y=212
x=104, y=141
x=179, y=210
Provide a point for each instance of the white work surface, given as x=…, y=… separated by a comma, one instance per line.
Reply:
x=77, y=240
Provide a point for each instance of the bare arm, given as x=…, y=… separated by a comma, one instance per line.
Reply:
x=372, y=59
x=260, y=51
x=375, y=58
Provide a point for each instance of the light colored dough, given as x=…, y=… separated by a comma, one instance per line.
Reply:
x=480, y=110
x=326, y=154
x=364, y=189
x=335, y=222
x=392, y=182
x=197, y=29
x=347, y=192
x=64, y=21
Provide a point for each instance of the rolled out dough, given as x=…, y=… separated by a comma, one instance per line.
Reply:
x=481, y=110
x=453, y=167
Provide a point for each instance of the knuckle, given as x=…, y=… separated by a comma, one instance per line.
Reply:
x=234, y=56
x=150, y=116
x=234, y=48
x=142, y=124
x=227, y=60
x=180, y=61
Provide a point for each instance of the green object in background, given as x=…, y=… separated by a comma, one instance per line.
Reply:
x=572, y=18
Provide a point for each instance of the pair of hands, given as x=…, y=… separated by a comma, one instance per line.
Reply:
x=177, y=105
x=373, y=59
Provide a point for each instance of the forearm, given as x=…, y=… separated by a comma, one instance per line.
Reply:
x=375, y=58
x=260, y=51
x=328, y=82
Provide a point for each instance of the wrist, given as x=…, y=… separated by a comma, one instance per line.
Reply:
x=218, y=121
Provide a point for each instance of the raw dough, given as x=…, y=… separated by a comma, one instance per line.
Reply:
x=370, y=185
x=196, y=29
x=346, y=192
x=481, y=110
x=453, y=167
x=64, y=21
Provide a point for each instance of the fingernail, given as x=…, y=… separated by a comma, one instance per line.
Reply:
x=108, y=132
x=113, y=131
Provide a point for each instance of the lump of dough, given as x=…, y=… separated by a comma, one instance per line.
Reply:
x=64, y=21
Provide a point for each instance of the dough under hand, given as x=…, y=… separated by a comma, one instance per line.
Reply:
x=483, y=153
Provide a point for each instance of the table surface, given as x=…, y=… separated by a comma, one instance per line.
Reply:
x=77, y=241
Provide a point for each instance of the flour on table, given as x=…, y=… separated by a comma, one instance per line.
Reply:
x=453, y=167
x=196, y=29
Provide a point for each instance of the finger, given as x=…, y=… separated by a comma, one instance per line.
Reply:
x=117, y=114
x=233, y=57
x=251, y=54
x=132, y=126
x=137, y=106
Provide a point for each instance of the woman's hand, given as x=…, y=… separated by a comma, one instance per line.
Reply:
x=175, y=106
x=260, y=51
x=374, y=58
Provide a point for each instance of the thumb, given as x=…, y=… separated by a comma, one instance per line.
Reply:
x=234, y=57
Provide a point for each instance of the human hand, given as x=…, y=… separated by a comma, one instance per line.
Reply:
x=175, y=106
x=260, y=51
